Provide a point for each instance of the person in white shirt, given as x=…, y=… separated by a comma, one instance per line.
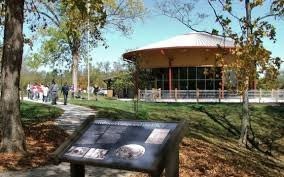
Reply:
x=45, y=93
x=40, y=91
x=29, y=90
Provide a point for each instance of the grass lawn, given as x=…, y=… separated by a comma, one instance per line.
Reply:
x=32, y=113
x=210, y=146
x=42, y=137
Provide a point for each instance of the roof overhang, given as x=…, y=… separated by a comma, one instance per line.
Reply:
x=187, y=41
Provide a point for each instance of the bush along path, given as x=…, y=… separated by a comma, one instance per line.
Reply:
x=72, y=117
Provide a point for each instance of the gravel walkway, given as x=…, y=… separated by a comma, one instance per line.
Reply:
x=72, y=117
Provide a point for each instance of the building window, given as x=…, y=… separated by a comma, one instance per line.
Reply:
x=183, y=73
x=201, y=72
x=201, y=84
x=183, y=84
x=188, y=78
x=175, y=73
x=191, y=85
x=192, y=73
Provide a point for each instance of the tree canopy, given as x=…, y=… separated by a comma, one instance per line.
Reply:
x=67, y=40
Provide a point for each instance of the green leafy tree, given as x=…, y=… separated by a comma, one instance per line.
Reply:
x=69, y=35
x=70, y=31
x=250, y=56
x=123, y=76
x=12, y=134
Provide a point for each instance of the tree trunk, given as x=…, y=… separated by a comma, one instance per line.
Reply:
x=13, y=138
x=245, y=126
x=75, y=65
x=1, y=55
x=0, y=91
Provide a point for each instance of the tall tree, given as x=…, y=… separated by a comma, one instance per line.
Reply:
x=1, y=54
x=12, y=134
x=2, y=3
x=249, y=51
x=71, y=28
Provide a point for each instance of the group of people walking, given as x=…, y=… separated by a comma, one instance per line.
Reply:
x=47, y=93
x=38, y=92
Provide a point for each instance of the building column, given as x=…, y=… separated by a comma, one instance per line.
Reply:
x=156, y=83
x=254, y=84
x=170, y=69
x=170, y=78
x=136, y=75
x=223, y=82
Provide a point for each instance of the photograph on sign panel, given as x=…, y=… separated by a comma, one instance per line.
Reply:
x=77, y=151
x=157, y=136
x=130, y=151
x=94, y=153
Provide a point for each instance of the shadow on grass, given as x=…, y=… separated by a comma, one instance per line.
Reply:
x=32, y=113
x=215, y=121
x=216, y=124
x=113, y=113
x=270, y=118
x=221, y=119
x=194, y=129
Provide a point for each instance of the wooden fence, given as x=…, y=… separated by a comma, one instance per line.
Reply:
x=257, y=96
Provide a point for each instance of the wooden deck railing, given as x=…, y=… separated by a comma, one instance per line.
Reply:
x=158, y=95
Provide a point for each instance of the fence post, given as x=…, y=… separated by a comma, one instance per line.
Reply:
x=139, y=92
x=176, y=94
x=220, y=95
x=160, y=94
x=197, y=95
x=153, y=94
x=259, y=95
x=277, y=95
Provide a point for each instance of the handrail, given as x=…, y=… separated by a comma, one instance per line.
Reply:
x=217, y=95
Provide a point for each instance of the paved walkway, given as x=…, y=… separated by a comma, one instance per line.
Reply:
x=72, y=117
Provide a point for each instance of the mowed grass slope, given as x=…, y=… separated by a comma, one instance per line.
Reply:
x=35, y=113
x=210, y=147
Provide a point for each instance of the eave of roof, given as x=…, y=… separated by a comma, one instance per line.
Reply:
x=191, y=40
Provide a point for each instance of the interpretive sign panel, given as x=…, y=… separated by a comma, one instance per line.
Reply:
x=130, y=145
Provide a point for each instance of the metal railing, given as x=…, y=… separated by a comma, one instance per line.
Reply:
x=260, y=96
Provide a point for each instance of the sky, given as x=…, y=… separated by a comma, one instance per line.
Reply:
x=156, y=27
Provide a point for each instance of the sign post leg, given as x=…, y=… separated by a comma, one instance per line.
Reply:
x=77, y=170
x=155, y=174
x=172, y=162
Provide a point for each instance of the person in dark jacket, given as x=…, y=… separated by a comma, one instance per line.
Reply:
x=65, y=90
x=96, y=90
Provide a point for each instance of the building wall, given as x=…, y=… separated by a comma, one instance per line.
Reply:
x=180, y=58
